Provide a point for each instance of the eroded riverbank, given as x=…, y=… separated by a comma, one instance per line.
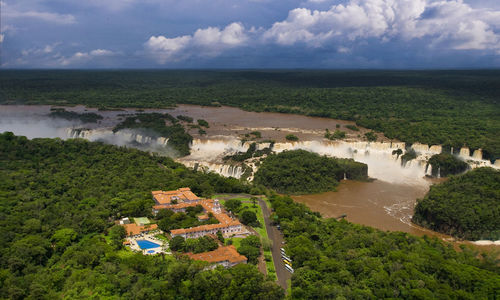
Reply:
x=386, y=203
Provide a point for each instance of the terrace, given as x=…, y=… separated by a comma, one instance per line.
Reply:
x=148, y=244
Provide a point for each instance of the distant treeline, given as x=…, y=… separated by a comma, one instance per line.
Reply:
x=303, y=172
x=466, y=206
x=71, y=115
x=452, y=108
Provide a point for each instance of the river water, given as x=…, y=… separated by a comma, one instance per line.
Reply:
x=380, y=204
x=386, y=203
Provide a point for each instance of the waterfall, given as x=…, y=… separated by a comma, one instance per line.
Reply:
x=478, y=154
x=464, y=152
x=428, y=169
x=221, y=169
x=122, y=137
x=497, y=163
x=439, y=172
x=345, y=177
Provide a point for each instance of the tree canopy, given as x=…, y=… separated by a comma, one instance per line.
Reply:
x=446, y=164
x=57, y=240
x=340, y=260
x=300, y=171
x=452, y=108
x=466, y=206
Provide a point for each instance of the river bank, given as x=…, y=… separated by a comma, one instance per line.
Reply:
x=386, y=203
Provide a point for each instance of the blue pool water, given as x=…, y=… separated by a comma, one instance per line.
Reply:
x=151, y=251
x=144, y=244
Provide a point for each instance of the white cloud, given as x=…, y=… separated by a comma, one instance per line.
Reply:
x=101, y=52
x=11, y=12
x=80, y=58
x=2, y=36
x=451, y=24
x=40, y=51
x=210, y=42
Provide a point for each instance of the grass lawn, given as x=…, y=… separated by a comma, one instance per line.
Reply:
x=260, y=230
x=289, y=287
x=242, y=199
x=161, y=237
x=236, y=241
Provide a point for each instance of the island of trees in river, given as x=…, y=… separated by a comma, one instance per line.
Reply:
x=466, y=206
x=60, y=200
x=303, y=172
x=452, y=108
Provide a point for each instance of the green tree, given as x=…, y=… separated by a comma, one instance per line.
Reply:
x=248, y=217
x=62, y=238
x=220, y=236
x=233, y=205
x=177, y=243
x=117, y=233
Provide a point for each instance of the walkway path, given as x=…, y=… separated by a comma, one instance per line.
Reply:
x=277, y=242
x=274, y=235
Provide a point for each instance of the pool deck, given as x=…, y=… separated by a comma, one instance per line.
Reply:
x=151, y=238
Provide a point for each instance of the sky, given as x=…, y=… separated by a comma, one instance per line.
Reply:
x=332, y=34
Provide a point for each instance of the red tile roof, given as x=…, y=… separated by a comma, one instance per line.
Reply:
x=223, y=253
x=209, y=205
x=165, y=197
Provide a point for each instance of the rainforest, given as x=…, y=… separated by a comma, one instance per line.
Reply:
x=450, y=108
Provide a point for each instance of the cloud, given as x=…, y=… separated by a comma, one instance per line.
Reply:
x=80, y=58
x=10, y=12
x=47, y=49
x=208, y=42
x=448, y=24
x=2, y=36
x=101, y=52
x=111, y=5
x=441, y=24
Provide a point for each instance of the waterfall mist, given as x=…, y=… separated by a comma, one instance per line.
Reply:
x=36, y=125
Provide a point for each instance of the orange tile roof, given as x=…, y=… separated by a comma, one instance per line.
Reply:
x=165, y=197
x=223, y=253
x=134, y=229
x=203, y=217
x=208, y=206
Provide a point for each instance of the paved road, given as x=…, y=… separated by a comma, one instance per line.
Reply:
x=274, y=235
x=277, y=239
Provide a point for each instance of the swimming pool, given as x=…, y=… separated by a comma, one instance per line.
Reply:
x=145, y=244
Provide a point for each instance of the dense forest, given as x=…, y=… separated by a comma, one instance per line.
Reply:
x=466, y=206
x=452, y=108
x=71, y=115
x=303, y=172
x=445, y=164
x=340, y=260
x=58, y=200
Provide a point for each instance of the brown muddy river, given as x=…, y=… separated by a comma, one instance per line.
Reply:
x=381, y=204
